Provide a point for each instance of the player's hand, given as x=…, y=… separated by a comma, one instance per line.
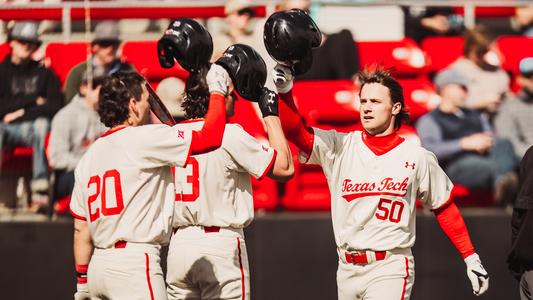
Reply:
x=477, y=274
x=283, y=78
x=82, y=292
x=218, y=79
x=268, y=103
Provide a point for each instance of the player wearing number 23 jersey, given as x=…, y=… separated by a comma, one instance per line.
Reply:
x=124, y=193
x=375, y=177
x=207, y=257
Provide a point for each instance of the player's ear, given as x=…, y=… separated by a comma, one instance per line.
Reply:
x=396, y=108
x=133, y=107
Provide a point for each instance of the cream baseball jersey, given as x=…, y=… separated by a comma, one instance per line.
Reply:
x=373, y=197
x=214, y=189
x=124, y=185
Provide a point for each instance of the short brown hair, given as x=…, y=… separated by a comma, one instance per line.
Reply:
x=477, y=39
x=378, y=74
x=115, y=95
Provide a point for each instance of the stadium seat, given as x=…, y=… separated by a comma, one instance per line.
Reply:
x=143, y=55
x=442, y=51
x=404, y=56
x=327, y=102
x=514, y=48
x=308, y=190
x=420, y=96
x=4, y=50
x=462, y=196
x=62, y=57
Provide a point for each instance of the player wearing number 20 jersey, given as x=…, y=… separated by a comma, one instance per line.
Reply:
x=124, y=192
x=375, y=177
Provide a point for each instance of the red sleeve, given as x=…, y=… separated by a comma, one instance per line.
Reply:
x=210, y=136
x=293, y=127
x=453, y=225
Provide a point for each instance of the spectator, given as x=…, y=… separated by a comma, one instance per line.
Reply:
x=488, y=83
x=421, y=22
x=74, y=128
x=523, y=20
x=520, y=258
x=514, y=120
x=171, y=91
x=104, y=47
x=30, y=95
x=462, y=141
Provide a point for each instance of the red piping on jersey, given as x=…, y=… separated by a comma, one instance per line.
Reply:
x=405, y=278
x=270, y=165
x=453, y=225
x=148, y=276
x=293, y=126
x=112, y=130
x=77, y=216
x=351, y=197
x=381, y=144
x=243, y=288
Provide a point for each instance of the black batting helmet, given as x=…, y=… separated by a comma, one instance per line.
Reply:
x=188, y=42
x=289, y=37
x=246, y=68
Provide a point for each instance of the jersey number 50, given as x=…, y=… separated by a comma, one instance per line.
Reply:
x=187, y=179
x=389, y=209
x=95, y=181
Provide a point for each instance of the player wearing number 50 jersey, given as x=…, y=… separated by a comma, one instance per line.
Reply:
x=375, y=178
x=207, y=254
x=124, y=193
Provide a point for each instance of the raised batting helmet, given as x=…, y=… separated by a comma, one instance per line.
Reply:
x=246, y=68
x=188, y=42
x=289, y=37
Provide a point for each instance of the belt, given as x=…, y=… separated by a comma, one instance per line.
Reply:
x=120, y=244
x=207, y=229
x=364, y=257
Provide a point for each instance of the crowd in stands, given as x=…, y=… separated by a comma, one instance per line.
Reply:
x=479, y=130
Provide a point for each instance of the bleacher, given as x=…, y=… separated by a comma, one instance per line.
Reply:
x=326, y=104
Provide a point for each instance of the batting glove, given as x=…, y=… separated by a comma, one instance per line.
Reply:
x=283, y=78
x=82, y=292
x=218, y=79
x=268, y=103
x=477, y=274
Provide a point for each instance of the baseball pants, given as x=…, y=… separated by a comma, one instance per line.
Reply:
x=132, y=272
x=526, y=286
x=208, y=263
x=388, y=279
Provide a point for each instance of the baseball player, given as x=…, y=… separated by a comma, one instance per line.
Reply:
x=375, y=178
x=207, y=256
x=124, y=193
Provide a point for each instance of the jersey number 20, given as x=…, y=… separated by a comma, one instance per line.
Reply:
x=187, y=179
x=97, y=182
x=389, y=209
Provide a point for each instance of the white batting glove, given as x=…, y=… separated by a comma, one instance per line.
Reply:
x=477, y=274
x=218, y=79
x=82, y=292
x=283, y=78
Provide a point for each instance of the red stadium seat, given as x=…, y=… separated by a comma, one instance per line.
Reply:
x=265, y=192
x=327, y=102
x=62, y=57
x=420, y=96
x=442, y=51
x=4, y=50
x=462, y=196
x=143, y=55
x=514, y=49
x=489, y=11
x=404, y=56
x=307, y=190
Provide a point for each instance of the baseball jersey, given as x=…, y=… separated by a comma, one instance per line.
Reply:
x=124, y=185
x=214, y=189
x=373, y=197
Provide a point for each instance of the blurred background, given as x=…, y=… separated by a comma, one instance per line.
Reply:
x=68, y=46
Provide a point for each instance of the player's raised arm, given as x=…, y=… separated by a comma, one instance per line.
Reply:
x=283, y=168
x=210, y=136
x=293, y=127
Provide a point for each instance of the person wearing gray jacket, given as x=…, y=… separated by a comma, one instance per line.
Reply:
x=74, y=128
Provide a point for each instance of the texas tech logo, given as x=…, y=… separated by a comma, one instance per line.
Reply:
x=387, y=187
